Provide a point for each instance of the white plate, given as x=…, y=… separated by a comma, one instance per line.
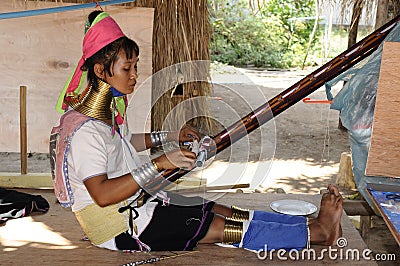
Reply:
x=293, y=207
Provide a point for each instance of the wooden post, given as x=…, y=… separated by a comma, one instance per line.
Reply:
x=365, y=228
x=22, y=130
x=345, y=177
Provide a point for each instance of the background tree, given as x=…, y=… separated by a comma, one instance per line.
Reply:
x=270, y=33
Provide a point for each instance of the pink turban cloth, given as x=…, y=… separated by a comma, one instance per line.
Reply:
x=103, y=31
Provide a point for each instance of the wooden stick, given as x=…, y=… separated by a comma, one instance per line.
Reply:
x=203, y=189
x=22, y=130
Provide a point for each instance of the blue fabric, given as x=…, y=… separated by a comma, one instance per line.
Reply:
x=275, y=235
x=278, y=218
x=115, y=92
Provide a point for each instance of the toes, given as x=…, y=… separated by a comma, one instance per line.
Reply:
x=333, y=189
x=339, y=201
x=325, y=196
x=328, y=199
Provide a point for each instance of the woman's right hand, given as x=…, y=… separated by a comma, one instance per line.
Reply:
x=180, y=158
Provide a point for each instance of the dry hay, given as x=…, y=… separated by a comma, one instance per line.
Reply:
x=181, y=33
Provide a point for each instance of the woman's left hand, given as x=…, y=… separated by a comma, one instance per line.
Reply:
x=186, y=133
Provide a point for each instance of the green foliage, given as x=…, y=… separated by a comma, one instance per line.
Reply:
x=263, y=37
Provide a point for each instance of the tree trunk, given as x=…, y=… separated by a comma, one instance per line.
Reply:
x=396, y=6
x=381, y=13
x=314, y=31
x=355, y=20
x=393, y=9
x=353, y=31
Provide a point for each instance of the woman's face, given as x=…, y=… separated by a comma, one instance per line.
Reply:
x=124, y=73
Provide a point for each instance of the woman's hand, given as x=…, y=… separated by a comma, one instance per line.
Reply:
x=187, y=133
x=180, y=158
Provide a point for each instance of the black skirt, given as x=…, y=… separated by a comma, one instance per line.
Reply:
x=173, y=227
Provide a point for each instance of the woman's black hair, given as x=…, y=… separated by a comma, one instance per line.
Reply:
x=108, y=54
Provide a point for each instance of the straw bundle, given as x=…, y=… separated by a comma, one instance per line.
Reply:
x=180, y=33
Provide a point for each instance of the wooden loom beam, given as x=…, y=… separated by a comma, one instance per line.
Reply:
x=286, y=99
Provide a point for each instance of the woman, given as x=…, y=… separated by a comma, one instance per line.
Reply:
x=97, y=172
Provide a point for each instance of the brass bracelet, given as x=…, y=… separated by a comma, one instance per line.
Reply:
x=233, y=231
x=239, y=214
x=155, y=166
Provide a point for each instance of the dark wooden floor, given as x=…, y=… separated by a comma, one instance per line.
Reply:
x=54, y=239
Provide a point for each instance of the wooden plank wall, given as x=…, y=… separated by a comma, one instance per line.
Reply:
x=384, y=152
x=41, y=52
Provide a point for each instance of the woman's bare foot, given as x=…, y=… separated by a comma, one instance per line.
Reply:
x=326, y=229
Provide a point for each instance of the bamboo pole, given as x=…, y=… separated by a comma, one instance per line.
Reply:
x=22, y=130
